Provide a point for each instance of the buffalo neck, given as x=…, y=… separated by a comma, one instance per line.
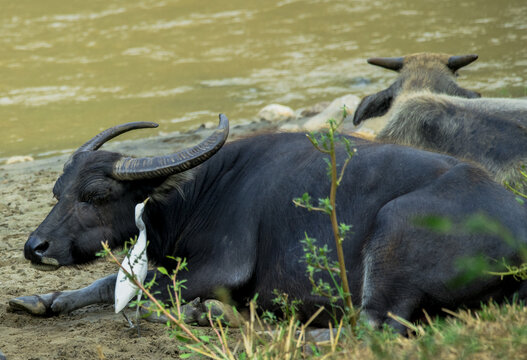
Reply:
x=175, y=218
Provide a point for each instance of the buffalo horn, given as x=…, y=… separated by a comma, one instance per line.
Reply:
x=458, y=61
x=108, y=134
x=393, y=63
x=128, y=168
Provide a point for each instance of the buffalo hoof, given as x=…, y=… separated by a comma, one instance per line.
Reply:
x=196, y=312
x=190, y=312
x=224, y=312
x=34, y=304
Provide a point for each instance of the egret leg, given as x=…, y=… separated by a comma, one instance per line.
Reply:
x=137, y=312
x=128, y=320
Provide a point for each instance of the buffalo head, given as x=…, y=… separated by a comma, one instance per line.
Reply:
x=434, y=73
x=97, y=193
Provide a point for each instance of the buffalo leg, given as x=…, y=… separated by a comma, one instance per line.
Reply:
x=100, y=291
x=197, y=312
x=194, y=311
x=394, y=272
x=385, y=293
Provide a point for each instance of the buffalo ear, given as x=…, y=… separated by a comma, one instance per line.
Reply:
x=373, y=106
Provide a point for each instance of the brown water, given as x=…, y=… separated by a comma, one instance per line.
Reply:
x=71, y=68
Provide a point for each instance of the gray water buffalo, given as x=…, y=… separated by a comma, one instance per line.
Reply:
x=228, y=210
x=426, y=108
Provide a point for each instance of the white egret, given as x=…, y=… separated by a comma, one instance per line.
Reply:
x=136, y=264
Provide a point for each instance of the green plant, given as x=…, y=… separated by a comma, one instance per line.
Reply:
x=289, y=307
x=316, y=257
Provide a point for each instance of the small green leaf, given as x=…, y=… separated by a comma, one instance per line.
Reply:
x=204, y=338
x=344, y=229
x=162, y=270
x=326, y=205
x=183, y=338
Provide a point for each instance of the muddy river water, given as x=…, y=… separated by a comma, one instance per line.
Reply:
x=71, y=68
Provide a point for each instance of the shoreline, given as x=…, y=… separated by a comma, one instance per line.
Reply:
x=272, y=118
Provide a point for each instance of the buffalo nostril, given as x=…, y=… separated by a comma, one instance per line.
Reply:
x=35, y=248
x=43, y=246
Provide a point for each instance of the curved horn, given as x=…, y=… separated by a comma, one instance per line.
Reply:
x=158, y=166
x=108, y=134
x=458, y=61
x=393, y=63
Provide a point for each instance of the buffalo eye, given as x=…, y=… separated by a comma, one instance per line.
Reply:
x=94, y=194
x=93, y=197
x=94, y=191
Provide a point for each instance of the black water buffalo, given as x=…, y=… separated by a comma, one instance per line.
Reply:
x=233, y=218
x=426, y=108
